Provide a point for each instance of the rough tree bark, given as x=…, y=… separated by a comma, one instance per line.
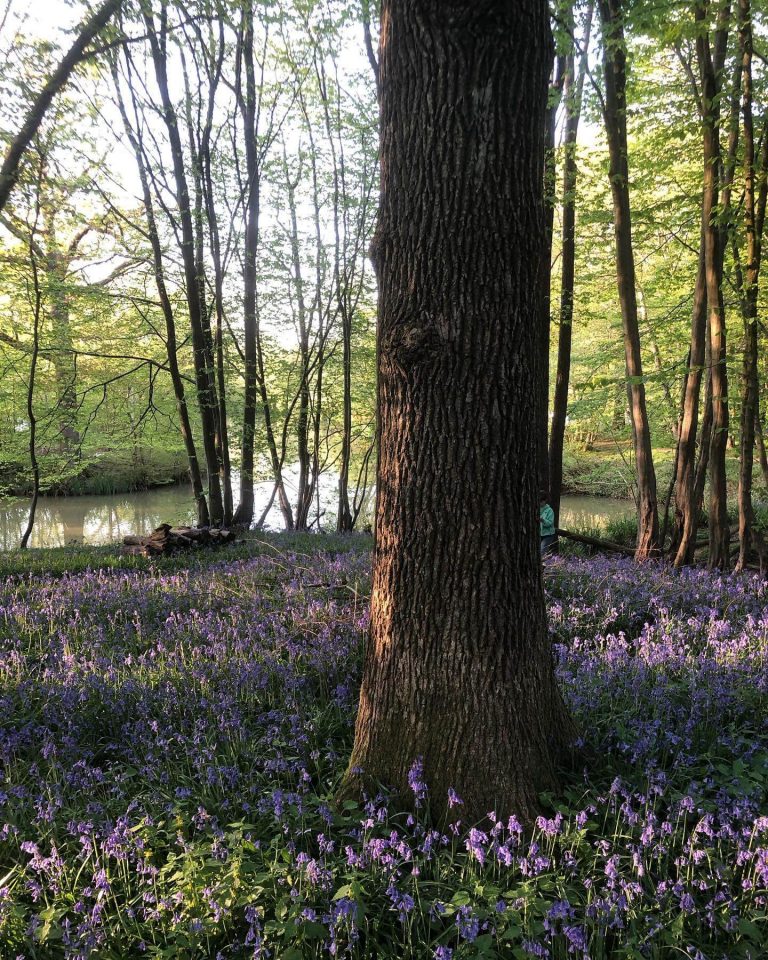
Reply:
x=615, y=72
x=459, y=670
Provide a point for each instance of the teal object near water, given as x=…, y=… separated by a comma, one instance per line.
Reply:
x=546, y=521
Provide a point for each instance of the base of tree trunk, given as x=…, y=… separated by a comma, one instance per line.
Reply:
x=166, y=539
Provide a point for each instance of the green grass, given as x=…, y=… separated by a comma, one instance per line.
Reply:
x=607, y=470
x=58, y=561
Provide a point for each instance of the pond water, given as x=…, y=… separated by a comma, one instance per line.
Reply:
x=106, y=519
x=582, y=512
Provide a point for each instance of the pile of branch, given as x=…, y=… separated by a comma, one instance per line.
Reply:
x=167, y=539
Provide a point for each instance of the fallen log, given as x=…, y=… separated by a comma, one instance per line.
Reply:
x=595, y=542
x=166, y=539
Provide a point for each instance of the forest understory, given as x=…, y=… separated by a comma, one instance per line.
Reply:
x=173, y=734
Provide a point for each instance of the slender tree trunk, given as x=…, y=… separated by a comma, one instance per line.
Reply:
x=458, y=670
x=225, y=467
x=203, y=358
x=545, y=323
x=324, y=322
x=342, y=280
x=344, y=518
x=686, y=503
x=252, y=206
x=193, y=462
x=705, y=434
x=572, y=94
x=753, y=229
x=254, y=373
x=719, y=555
x=762, y=454
x=303, y=319
x=675, y=466
x=9, y=172
x=31, y=396
x=705, y=445
x=199, y=136
x=614, y=60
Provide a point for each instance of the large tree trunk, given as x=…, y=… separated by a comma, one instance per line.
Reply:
x=459, y=669
x=614, y=62
x=572, y=94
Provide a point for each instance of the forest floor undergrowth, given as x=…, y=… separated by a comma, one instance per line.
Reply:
x=172, y=734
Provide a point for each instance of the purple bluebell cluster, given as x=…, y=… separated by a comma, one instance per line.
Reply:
x=171, y=742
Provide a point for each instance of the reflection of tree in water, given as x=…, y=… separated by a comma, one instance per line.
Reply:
x=49, y=530
x=12, y=520
x=111, y=521
x=73, y=514
x=94, y=520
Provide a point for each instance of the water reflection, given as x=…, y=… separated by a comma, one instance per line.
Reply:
x=584, y=513
x=60, y=521
x=106, y=519
x=94, y=520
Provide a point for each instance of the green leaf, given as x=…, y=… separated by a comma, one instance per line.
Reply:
x=751, y=931
x=313, y=931
x=348, y=890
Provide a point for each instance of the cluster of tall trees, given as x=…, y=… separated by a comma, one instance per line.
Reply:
x=616, y=56
x=221, y=159
x=199, y=268
x=253, y=149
